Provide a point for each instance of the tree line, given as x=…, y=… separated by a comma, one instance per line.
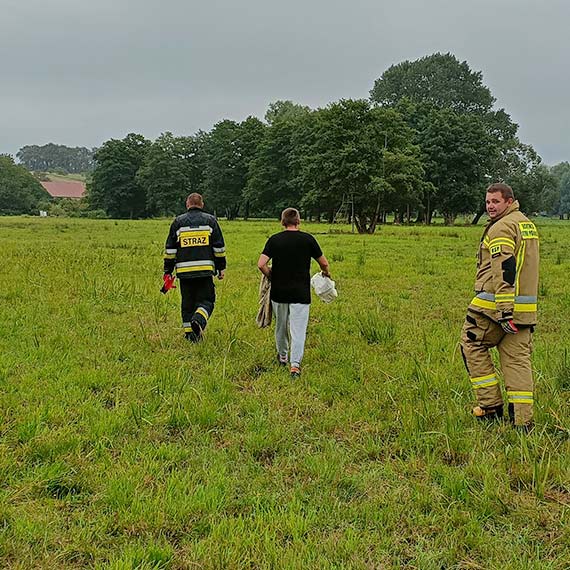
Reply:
x=426, y=141
x=56, y=158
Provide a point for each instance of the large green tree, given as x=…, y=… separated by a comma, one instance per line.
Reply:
x=363, y=153
x=20, y=192
x=114, y=187
x=439, y=80
x=442, y=89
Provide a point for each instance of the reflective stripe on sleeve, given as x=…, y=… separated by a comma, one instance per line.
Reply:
x=219, y=251
x=505, y=298
x=502, y=241
x=523, y=303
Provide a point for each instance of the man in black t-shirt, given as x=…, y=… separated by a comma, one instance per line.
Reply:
x=291, y=252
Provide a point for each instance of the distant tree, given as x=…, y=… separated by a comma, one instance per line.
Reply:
x=536, y=190
x=564, y=208
x=457, y=152
x=229, y=150
x=285, y=110
x=20, y=192
x=53, y=157
x=559, y=171
x=273, y=174
x=171, y=170
x=113, y=186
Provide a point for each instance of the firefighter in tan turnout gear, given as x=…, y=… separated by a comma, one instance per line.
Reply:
x=195, y=248
x=503, y=312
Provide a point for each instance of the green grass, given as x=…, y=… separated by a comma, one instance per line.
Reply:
x=122, y=446
x=53, y=177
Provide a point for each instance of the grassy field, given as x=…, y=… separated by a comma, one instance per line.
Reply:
x=122, y=446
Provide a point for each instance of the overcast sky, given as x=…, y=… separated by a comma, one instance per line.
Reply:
x=79, y=72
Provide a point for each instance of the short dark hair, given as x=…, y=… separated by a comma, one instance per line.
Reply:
x=195, y=200
x=505, y=190
x=290, y=217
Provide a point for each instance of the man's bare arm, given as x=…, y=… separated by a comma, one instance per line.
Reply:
x=324, y=265
x=262, y=265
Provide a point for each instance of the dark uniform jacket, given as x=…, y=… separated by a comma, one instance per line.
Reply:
x=507, y=269
x=195, y=246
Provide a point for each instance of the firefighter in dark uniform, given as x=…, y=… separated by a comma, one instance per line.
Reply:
x=503, y=312
x=195, y=249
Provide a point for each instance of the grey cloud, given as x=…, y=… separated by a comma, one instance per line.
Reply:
x=79, y=73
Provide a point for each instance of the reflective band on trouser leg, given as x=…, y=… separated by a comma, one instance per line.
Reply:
x=479, y=334
x=484, y=381
x=187, y=327
x=520, y=397
x=201, y=317
x=515, y=355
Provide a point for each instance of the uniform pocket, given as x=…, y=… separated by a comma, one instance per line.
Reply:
x=475, y=327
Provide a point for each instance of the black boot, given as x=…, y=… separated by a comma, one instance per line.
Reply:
x=487, y=414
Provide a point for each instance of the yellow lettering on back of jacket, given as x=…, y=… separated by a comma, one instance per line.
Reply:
x=194, y=239
x=528, y=230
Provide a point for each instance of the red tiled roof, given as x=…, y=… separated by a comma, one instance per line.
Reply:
x=71, y=189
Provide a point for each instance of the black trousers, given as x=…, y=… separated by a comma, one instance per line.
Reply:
x=198, y=299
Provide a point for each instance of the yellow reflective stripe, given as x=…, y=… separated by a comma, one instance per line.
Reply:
x=492, y=305
x=486, y=240
x=504, y=297
x=485, y=384
x=483, y=304
x=202, y=312
x=169, y=256
x=525, y=307
x=484, y=381
x=502, y=241
x=219, y=254
x=479, y=378
x=517, y=397
x=194, y=268
x=520, y=262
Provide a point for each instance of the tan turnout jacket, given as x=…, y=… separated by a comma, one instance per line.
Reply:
x=507, y=268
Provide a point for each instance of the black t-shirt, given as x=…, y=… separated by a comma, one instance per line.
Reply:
x=291, y=253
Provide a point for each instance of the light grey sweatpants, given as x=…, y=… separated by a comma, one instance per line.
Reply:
x=291, y=321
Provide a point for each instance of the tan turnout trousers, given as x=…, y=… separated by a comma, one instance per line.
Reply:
x=480, y=334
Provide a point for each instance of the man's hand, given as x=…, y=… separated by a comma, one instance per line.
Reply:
x=326, y=273
x=508, y=324
x=168, y=279
x=221, y=274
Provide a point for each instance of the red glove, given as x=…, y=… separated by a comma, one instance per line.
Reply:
x=508, y=324
x=168, y=283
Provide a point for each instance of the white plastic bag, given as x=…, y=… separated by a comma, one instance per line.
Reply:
x=324, y=287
